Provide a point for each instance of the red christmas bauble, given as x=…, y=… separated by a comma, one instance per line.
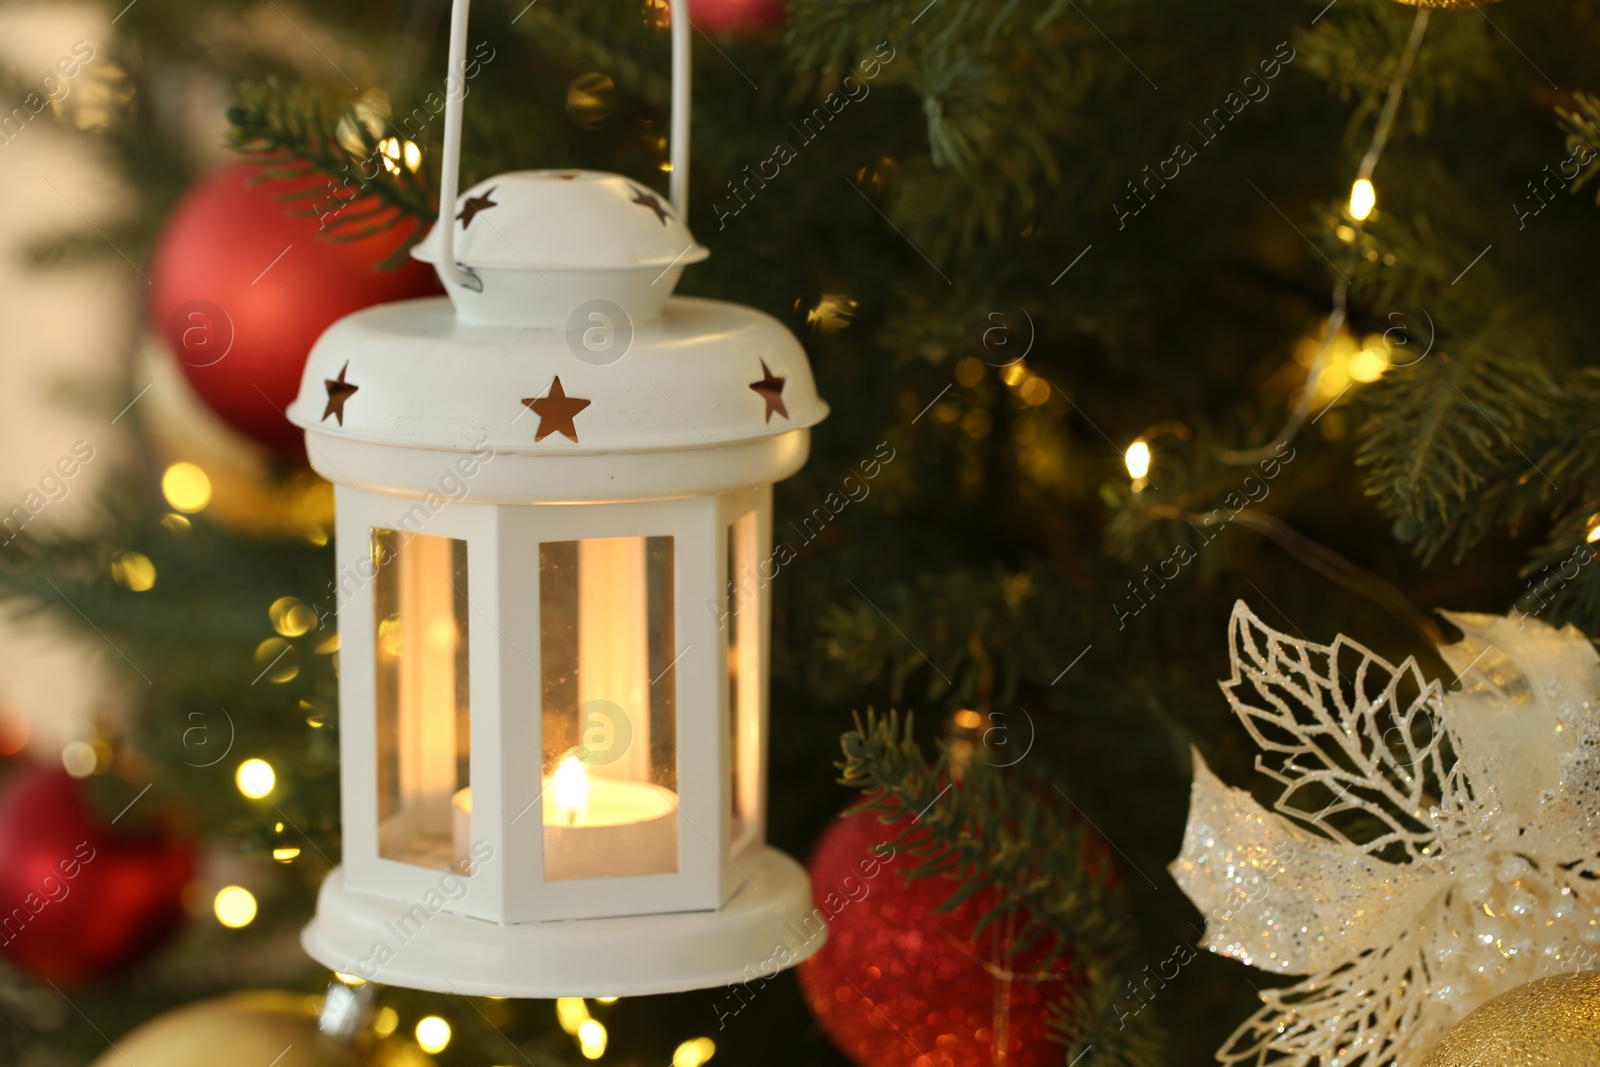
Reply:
x=898, y=985
x=241, y=290
x=735, y=16
x=81, y=899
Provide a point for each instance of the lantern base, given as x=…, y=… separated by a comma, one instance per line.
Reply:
x=770, y=924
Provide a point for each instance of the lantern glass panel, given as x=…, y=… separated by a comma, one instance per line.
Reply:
x=422, y=685
x=608, y=658
x=743, y=617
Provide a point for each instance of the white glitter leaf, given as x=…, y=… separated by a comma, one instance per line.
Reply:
x=1268, y=888
x=1454, y=854
x=1346, y=732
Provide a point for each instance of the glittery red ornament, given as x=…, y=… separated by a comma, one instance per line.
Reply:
x=734, y=16
x=241, y=290
x=80, y=899
x=900, y=986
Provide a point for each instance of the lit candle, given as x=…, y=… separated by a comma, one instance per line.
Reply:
x=569, y=787
x=594, y=827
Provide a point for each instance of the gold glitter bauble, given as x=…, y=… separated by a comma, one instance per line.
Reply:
x=1550, y=1022
x=237, y=1028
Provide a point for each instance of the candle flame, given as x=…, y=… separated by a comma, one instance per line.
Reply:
x=571, y=785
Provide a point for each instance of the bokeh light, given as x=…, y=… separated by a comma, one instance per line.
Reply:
x=235, y=906
x=592, y=1039
x=1137, y=459
x=133, y=570
x=255, y=778
x=186, y=487
x=433, y=1034
x=694, y=1053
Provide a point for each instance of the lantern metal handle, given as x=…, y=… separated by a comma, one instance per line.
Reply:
x=450, y=176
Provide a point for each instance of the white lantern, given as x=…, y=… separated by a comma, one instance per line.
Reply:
x=554, y=493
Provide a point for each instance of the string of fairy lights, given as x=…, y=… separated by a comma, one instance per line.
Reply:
x=1364, y=363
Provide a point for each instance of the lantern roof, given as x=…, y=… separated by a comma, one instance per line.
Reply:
x=702, y=375
x=543, y=220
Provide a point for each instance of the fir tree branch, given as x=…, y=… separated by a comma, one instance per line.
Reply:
x=298, y=132
x=1582, y=125
x=1449, y=442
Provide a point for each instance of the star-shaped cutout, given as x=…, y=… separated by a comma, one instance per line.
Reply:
x=771, y=389
x=339, y=391
x=651, y=201
x=475, y=204
x=555, y=410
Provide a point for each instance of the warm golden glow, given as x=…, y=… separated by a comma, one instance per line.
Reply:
x=571, y=1013
x=1034, y=391
x=394, y=152
x=433, y=1033
x=286, y=854
x=571, y=786
x=694, y=1053
x=79, y=758
x=291, y=618
x=1363, y=198
x=1137, y=459
x=134, y=571
x=1367, y=365
x=255, y=778
x=1594, y=529
x=186, y=487
x=592, y=1039
x=386, y=1021
x=235, y=906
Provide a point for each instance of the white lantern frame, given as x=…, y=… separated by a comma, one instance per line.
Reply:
x=512, y=887
x=685, y=447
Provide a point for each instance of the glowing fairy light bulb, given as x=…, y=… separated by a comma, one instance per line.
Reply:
x=187, y=488
x=1363, y=198
x=235, y=907
x=694, y=1053
x=255, y=778
x=433, y=1034
x=592, y=1039
x=571, y=787
x=1137, y=459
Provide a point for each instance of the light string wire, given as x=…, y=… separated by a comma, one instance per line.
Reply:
x=1341, y=288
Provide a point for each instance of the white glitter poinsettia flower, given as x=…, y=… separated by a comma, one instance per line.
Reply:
x=1429, y=850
